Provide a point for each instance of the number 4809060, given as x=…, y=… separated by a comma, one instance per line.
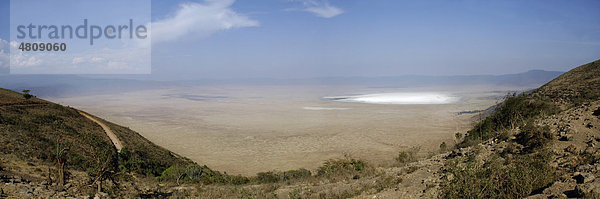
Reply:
x=43, y=46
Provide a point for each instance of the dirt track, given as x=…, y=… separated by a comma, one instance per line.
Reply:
x=115, y=140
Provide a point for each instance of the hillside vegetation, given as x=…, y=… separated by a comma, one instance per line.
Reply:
x=59, y=142
x=533, y=142
x=544, y=143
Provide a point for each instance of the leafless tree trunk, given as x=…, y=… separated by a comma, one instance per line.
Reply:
x=49, y=175
x=101, y=172
x=60, y=164
x=99, y=183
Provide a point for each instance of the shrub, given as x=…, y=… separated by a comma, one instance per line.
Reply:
x=46, y=119
x=273, y=176
x=7, y=120
x=296, y=174
x=237, y=180
x=513, y=112
x=458, y=135
x=342, y=168
x=408, y=156
x=533, y=137
x=139, y=162
x=26, y=94
x=443, y=147
x=504, y=135
x=193, y=174
x=517, y=178
x=267, y=177
x=128, y=162
x=173, y=173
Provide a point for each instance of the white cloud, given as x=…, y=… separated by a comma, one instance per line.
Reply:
x=92, y=61
x=4, y=55
x=19, y=59
x=119, y=66
x=78, y=60
x=110, y=61
x=98, y=59
x=4, y=45
x=321, y=8
x=88, y=60
x=325, y=11
x=199, y=20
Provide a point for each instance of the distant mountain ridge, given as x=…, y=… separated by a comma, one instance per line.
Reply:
x=69, y=85
x=533, y=78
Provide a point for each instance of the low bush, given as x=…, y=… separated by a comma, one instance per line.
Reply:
x=195, y=174
x=458, y=136
x=504, y=135
x=272, y=176
x=296, y=174
x=268, y=177
x=173, y=173
x=139, y=162
x=336, y=169
x=443, y=147
x=408, y=156
x=238, y=180
x=533, y=137
x=516, y=178
x=26, y=94
x=513, y=112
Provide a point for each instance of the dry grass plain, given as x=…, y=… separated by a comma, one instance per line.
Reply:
x=249, y=129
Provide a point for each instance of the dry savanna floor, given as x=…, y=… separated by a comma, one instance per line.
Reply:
x=249, y=129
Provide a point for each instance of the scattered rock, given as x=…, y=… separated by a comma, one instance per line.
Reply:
x=583, y=177
x=596, y=112
x=587, y=190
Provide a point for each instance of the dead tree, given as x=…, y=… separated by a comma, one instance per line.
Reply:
x=49, y=176
x=60, y=163
x=103, y=172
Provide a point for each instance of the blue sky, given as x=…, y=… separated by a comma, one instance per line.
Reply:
x=316, y=38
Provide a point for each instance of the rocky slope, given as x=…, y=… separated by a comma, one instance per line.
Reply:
x=540, y=144
x=567, y=146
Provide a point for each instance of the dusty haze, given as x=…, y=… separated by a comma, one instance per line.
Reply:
x=249, y=129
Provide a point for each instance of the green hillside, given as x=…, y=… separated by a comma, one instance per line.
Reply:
x=33, y=128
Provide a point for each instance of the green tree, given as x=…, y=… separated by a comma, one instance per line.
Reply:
x=443, y=147
x=26, y=94
x=458, y=135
